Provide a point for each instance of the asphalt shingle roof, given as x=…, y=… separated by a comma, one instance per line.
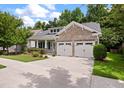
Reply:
x=43, y=35
x=93, y=25
x=46, y=35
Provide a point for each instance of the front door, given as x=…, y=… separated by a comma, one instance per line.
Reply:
x=41, y=44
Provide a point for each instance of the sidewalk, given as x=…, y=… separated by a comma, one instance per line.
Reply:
x=102, y=82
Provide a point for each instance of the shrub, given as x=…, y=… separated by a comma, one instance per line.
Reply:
x=34, y=49
x=1, y=52
x=24, y=49
x=35, y=54
x=46, y=56
x=99, y=52
x=41, y=55
x=122, y=51
x=42, y=51
x=5, y=52
x=53, y=54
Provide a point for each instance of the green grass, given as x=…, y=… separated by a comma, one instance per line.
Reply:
x=23, y=57
x=2, y=66
x=112, y=67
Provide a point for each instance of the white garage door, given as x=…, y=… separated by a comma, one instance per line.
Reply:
x=64, y=48
x=83, y=49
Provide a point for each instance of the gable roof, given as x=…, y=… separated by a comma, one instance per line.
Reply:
x=92, y=26
x=35, y=31
x=42, y=35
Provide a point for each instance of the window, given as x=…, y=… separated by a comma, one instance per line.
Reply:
x=61, y=43
x=54, y=30
x=41, y=44
x=68, y=43
x=51, y=31
x=79, y=43
x=88, y=43
x=93, y=32
x=57, y=30
x=49, y=45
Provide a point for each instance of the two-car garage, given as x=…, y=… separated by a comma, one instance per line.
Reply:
x=77, y=49
x=78, y=39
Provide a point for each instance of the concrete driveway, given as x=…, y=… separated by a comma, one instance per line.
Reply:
x=55, y=72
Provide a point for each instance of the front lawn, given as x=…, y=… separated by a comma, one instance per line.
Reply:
x=112, y=67
x=2, y=66
x=23, y=57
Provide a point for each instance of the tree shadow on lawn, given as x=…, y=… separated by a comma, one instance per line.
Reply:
x=59, y=78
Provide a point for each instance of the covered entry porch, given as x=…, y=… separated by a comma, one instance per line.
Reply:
x=48, y=45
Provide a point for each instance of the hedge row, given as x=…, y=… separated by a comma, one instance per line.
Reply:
x=40, y=50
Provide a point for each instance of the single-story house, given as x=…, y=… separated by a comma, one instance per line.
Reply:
x=75, y=39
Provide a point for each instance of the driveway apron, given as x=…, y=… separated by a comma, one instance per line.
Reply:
x=54, y=72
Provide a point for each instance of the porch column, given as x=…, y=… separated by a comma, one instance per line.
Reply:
x=45, y=44
x=37, y=44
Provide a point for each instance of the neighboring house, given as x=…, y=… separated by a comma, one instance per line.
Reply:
x=75, y=39
x=13, y=48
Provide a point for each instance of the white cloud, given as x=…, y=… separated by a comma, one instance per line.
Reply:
x=50, y=6
x=33, y=10
x=20, y=11
x=55, y=14
x=28, y=21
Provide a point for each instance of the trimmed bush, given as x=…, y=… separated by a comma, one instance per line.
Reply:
x=35, y=54
x=99, y=52
x=46, y=56
x=1, y=52
x=34, y=49
x=41, y=55
x=40, y=50
x=53, y=55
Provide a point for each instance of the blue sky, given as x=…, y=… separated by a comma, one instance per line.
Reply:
x=30, y=13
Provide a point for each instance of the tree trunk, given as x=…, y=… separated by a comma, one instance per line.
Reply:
x=3, y=48
x=7, y=50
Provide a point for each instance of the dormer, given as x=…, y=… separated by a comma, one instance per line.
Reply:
x=55, y=30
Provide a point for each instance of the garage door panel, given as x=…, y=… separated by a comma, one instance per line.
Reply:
x=64, y=48
x=60, y=48
x=88, y=51
x=78, y=49
x=83, y=49
x=68, y=49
